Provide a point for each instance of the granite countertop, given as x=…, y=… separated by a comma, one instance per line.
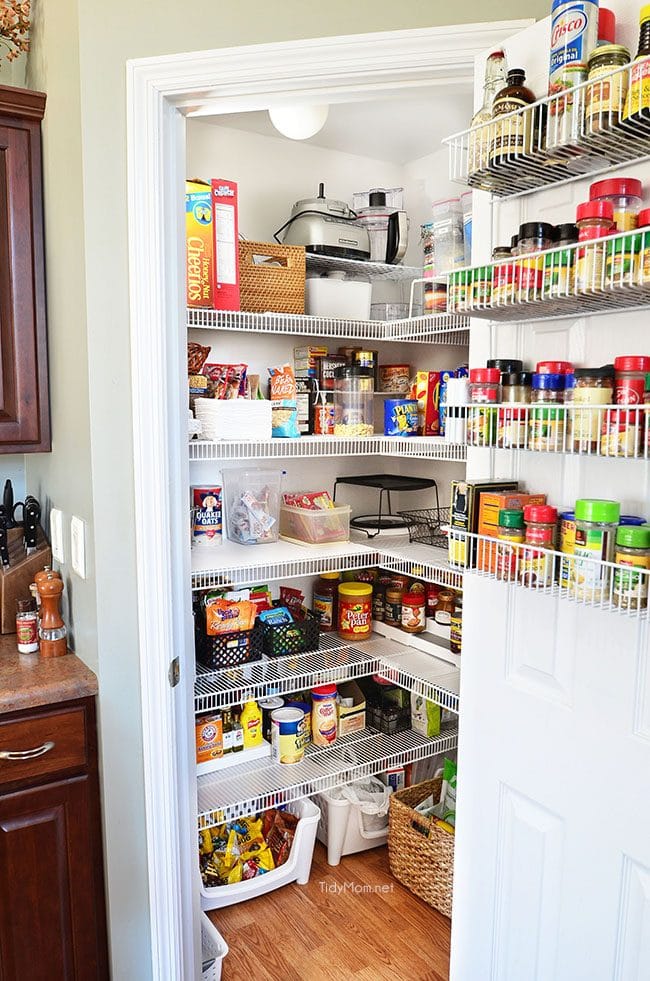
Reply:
x=28, y=680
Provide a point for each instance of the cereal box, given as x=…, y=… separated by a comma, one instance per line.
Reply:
x=427, y=391
x=225, y=228
x=199, y=244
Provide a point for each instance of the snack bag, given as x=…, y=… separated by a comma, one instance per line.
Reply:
x=283, y=383
x=284, y=408
x=226, y=381
x=225, y=616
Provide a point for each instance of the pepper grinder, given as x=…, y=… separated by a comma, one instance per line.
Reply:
x=52, y=630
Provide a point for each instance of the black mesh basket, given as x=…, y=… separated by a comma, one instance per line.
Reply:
x=425, y=526
x=226, y=650
x=290, y=638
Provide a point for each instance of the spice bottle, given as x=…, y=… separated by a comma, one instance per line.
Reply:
x=596, y=526
x=512, y=421
x=559, y=265
x=26, y=626
x=52, y=630
x=510, y=530
x=637, y=102
x=445, y=607
x=413, y=612
x=325, y=600
x=605, y=99
x=595, y=220
x=534, y=237
x=622, y=430
x=594, y=387
x=517, y=134
x=643, y=271
x=484, y=390
x=546, y=426
x=536, y=565
x=503, y=276
x=630, y=590
x=625, y=194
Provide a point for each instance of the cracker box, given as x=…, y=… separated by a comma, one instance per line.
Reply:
x=463, y=515
x=225, y=228
x=352, y=718
x=427, y=393
x=488, y=521
x=199, y=244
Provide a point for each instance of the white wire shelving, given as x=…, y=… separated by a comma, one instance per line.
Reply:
x=589, y=582
x=335, y=661
x=258, y=785
x=360, y=267
x=558, y=139
x=415, y=447
x=437, y=328
x=618, y=432
x=426, y=562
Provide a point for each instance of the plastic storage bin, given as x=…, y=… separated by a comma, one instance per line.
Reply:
x=335, y=296
x=252, y=499
x=296, y=869
x=345, y=828
x=324, y=527
x=214, y=949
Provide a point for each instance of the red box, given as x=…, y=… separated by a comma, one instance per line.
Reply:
x=225, y=231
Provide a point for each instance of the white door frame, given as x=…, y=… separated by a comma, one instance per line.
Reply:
x=161, y=91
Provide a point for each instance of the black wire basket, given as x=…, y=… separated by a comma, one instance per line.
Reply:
x=426, y=525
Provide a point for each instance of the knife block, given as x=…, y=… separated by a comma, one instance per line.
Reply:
x=16, y=578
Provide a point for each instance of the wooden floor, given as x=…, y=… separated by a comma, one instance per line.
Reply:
x=305, y=933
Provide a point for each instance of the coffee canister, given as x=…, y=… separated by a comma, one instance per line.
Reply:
x=400, y=417
x=287, y=735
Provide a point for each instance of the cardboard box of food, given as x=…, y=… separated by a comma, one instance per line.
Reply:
x=463, y=515
x=212, y=244
x=199, y=244
x=425, y=716
x=352, y=718
x=225, y=227
x=488, y=520
x=427, y=393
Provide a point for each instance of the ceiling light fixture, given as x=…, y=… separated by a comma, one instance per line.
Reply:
x=299, y=122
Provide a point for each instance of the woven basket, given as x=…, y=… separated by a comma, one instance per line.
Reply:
x=272, y=288
x=421, y=855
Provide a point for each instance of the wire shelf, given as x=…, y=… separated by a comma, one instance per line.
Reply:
x=418, y=447
x=360, y=267
x=421, y=561
x=589, y=582
x=437, y=328
x=258, y=785
x=598, y=276
x=558, y=139
x=335, y=661
x=617, y=432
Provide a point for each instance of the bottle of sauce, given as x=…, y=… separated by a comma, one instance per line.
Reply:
x=251, y=720
x=237, y=730
x=516, y=135
x=325, y=600
x=478, y=156
x=637, y=100
x=226, y=734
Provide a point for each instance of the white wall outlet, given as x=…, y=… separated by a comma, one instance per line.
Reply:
x=56, y=535
x=78, y=546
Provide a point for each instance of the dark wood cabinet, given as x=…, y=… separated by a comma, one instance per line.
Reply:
x=52, y=910
x=24, y=397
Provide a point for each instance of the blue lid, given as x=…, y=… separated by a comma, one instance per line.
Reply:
x=567, y=515
x=569, y=380
x=631, y=519
x=554, y=383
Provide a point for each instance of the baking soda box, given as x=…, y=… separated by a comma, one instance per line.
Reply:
x=199, y=244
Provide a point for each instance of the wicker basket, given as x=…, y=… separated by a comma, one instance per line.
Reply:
x=272, y=288
x=421, y=855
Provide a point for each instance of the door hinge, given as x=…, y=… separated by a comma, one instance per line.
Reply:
x=174, y=673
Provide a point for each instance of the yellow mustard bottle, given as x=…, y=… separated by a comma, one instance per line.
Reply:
x=251, y=720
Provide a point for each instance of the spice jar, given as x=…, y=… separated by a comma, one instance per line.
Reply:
x=596, y=526
x=512, y=422
x=393, y=605
x=505, y=364
x=553, y=367
x=593, y=387
x=622, y=261
x=536, y=565
x=605, y=99
x=503, y=276
x=484, y=390
x=459, y=295
x=355, y=610
x=646, y=417
x=413, y=612
x=456, y=626
x=546, y=424
x=622, y=431
x=379, y=598
x=353, y=401
x=625, y=195
x=481, y=278
x=559, y=265
x=26, y=626
x=325, y=600
x=534, y=237
x=643, y=271
x=432, y=602
x=630, y=590
x=445, y=607
x=511, y=530
x=567, y=545
x=595, y=220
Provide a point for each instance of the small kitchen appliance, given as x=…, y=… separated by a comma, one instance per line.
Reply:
x=325, y=226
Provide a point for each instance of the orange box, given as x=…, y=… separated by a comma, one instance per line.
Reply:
x=209, y=737
x=488, y=520
x=427, y=392
x=199, y=243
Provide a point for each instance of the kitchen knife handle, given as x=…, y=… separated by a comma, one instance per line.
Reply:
x=4, y=544
x=31, y=518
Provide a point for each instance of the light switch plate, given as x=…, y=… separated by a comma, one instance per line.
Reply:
x=78, y=546
x=56, y=535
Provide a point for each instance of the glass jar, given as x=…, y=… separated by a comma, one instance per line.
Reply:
x=643, y=273
x=484, y=390
x=503, y=276
x=622, y=261
x=605, y=99
x=560, y=264
x=459, y=294
x=445, y=607
x=625, y=194
x=536, y=566
x=630, y=590
x=534, y=236
x=595, y=220
x=510, y=530
x=432, y=592
x=353, y=401
x=512, y=425
x=596, y=526
x=413, y=612
x=593, y=387
x=505, y=364
x=435, y=297
x=481, y=287
x=622, y=431
x=393, y=605
x=355, y=611
x=567, y=545
x=546, y=422
x=325, y=600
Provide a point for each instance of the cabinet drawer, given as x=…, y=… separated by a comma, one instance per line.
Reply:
x=42, y=744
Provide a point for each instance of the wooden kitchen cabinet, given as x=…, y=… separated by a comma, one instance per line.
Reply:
x=52, y=909
x=24, y=396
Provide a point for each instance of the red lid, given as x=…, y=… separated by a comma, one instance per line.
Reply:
x=616, y=187
x=542, y=513
x=596, y=231
x=554, y=368
x=324, y=690
x=485, y=375
x=606, y=25
x=632, y=362
x=644, y=217
x=596, y=209
x=511, y=415
x=413, y=599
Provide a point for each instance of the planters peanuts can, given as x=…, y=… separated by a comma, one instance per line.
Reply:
x=445, y=375
x=400, y=417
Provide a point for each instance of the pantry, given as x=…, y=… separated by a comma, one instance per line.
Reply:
x=528, y=664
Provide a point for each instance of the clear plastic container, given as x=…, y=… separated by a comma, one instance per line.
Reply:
x=353, y=401
x=625, y=194
x=252, y=499
x=449, y=241
x=321, y=527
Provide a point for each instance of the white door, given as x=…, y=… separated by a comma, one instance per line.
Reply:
x=552, y=872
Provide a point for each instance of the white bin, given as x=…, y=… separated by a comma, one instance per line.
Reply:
x=295, y=869
x=214, y=949
x=345, y=828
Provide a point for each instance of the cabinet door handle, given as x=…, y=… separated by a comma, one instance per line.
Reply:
x=26, y=754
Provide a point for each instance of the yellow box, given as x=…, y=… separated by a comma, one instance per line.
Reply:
x=199, y=244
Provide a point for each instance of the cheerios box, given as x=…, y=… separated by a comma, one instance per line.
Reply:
x=199, y=243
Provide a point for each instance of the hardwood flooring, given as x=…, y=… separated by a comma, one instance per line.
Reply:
x=333, y=929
